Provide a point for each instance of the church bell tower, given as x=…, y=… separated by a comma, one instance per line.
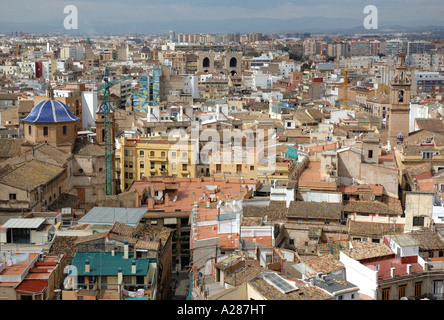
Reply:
x=399, y=113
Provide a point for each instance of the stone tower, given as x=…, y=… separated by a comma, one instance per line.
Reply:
x=398, y=115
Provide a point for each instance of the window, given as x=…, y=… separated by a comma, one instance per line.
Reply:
x=29, y=130
x=45, y=131
x=141, y=153
x=401, y=291
x=152, y=165
x=64, y=130
x=142, y=164
x=12, y=196
x=418, y=221
x=353, y=296
x=427, y=155
x=184, y=167
x=130, y=175
x=370, y=153
x=218, y=167
x=251, y=168
x=162, y=153
x=151, y=153
x=386, y=294
x=173, y=154
x=437, y=287
x=418, y=289
x=341, y=297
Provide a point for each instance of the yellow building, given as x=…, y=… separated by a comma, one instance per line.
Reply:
x=247, y=167
x=155, y=156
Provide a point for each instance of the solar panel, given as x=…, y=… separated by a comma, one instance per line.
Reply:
x=279, y=283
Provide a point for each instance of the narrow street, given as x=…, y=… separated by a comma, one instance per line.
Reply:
x=180, y=285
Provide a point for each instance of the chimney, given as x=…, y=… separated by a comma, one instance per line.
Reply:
x=125, y=250
x=392, y=272
x=150, y=203
x=113, y=252
x=87, y=266
x=409, y=269
x=119, y=278
x=133, y=266
x=166, y=200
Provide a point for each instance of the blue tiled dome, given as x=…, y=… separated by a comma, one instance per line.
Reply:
x=102, y=110
x=50, y=111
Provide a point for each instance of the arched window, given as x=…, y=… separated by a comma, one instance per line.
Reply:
x=401, y=96
x=206, y=62
x=233, y=62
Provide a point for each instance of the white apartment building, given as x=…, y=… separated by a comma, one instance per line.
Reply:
x=191, y=85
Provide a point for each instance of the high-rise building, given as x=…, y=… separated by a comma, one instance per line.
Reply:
x=419, y=46
x=172, y=36
x=395, y=46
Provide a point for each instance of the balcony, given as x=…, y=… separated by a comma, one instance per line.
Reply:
x=109, y=292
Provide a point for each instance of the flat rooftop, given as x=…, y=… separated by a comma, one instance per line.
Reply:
x=189, y=190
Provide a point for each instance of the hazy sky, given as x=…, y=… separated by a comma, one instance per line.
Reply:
x=132, y=15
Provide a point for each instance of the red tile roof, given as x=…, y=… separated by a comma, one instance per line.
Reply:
x=34, y=286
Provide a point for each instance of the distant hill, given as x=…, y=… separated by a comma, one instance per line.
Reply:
x=263, y=25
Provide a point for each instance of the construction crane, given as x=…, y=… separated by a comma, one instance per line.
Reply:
x=344, y=104
x=107, y=116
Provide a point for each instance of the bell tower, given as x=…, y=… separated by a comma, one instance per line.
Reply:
x=399, y=113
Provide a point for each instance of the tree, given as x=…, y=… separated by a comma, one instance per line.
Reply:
x=252, y=54
x=306, y=66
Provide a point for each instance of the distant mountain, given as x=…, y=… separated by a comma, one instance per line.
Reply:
x=263, y=25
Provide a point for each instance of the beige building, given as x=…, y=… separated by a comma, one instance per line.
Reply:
x=418, y=210
x=31, y=186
